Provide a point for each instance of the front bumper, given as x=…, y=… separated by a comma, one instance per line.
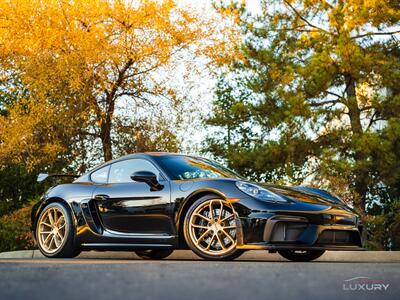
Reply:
x=304, y=231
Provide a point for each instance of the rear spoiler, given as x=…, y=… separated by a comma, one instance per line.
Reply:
x=43, y=176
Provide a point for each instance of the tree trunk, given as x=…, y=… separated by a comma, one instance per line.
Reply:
x=105, y=134
x=106, y=124
x=361, y=175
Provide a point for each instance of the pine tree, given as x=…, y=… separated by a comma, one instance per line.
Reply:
x=322, y=104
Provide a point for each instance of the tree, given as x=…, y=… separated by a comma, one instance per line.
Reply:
x=84, y=57
x=83, y=80
x=316, y=98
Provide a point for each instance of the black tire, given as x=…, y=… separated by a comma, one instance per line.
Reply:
x=154, y=253
x=234, y=253
x=69, y=247
x=302, y=256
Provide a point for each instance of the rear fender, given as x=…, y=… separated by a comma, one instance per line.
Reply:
x=39, y=207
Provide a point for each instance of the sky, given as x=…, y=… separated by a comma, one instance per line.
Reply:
x=252, y=5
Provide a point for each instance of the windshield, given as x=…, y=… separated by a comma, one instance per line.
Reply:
x=186, y=167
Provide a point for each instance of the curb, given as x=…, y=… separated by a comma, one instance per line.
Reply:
x=330, y=256
x=18, y=254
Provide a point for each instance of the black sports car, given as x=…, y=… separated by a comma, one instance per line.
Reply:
x=153, y=203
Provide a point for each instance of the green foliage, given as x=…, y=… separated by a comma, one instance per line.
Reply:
x=15, y=231
x=17, y=187
x=383, y=227
x=17, y=174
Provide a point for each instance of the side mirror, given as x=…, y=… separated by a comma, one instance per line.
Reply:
x=149, y=178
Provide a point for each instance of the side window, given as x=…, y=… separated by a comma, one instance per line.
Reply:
x=121, y=172
x=101, y=175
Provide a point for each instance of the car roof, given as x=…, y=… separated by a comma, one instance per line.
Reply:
x=147, y=154
x=85, y=176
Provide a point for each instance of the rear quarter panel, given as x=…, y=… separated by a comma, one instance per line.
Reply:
x=71, y=194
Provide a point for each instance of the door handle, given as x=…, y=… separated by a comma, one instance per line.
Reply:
x=101, y=197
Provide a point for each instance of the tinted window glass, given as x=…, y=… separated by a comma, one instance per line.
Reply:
x=186, y=167
x=121, y=172
x=100, y=176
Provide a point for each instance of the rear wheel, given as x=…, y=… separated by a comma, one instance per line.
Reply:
x=298, y=255
x=154, y=253
x=210, y=229
x=55, y=232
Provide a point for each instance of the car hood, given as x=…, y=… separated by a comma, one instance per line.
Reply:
x=305, y=194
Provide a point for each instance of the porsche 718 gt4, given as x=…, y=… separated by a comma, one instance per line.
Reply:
x=153, y=203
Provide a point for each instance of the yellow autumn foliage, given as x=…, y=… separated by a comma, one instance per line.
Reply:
x=77, y=58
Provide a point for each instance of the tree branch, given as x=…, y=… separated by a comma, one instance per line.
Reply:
x=334, y=94
x=372, y=121
x=304, y=19
x=119, y=80
x=375, y=33
x=317, y=104
x=366, y=108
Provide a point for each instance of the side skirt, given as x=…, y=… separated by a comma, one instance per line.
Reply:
x=263, y=246
x=123, y=247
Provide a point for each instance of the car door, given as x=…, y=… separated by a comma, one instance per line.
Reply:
x=126, y=206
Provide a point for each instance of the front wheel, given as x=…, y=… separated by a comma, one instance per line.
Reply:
x=154, y=253
x=301, y=256
x=210, y=229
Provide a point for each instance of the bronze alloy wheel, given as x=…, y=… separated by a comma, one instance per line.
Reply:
x=211, y=229
x=55, y=231
x=52, y=229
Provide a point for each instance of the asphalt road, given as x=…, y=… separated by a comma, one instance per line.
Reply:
x=190, y=279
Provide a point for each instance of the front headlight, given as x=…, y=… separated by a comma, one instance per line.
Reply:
x=259, y=192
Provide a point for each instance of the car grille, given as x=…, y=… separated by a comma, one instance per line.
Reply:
x=345, y=237
x=287, y=231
